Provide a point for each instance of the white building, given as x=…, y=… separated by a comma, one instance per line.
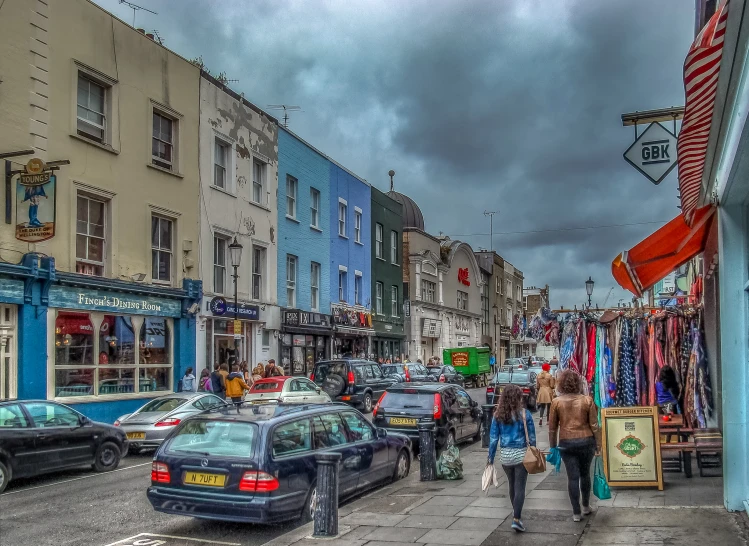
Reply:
x=238, y=198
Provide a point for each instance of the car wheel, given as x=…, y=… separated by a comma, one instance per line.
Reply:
x=402, y=466
x=367, y=402
x=107, y=457
x=308, y=512
x=4, y=476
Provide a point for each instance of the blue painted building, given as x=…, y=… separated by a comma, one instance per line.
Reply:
x=304, y=236
x=102, y=346
x=350, y=262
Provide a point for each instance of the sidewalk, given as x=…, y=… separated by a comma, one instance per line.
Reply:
x=416, y=513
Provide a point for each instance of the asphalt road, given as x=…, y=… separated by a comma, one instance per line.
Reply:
x=82, y=508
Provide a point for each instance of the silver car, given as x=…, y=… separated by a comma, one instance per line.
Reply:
x=149, y=425
x=289, y=390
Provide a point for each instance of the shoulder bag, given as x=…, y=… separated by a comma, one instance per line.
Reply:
x=533, y=461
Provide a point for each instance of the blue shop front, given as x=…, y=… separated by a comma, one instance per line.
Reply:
x=101, y=346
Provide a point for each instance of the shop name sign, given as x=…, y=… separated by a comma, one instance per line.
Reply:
x=219, y=306
x=463, y=276
x=303, y=318
x=653, y=153
x=116, y=302
x=36, y=197
x=125, y=305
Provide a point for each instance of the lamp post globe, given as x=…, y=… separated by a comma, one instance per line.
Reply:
x=589, y=288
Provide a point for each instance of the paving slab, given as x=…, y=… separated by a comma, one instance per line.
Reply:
x=458, y=537
x=548, y=494
x=329, y=542
x=449, y=501
x=492, y=502
x=383, y=543
x=488, y=524
x=430, y=510
x=687, y=518
x=371, y=518
x=427, y=522
x=660, y=535
x=396, y=534
x=548, y=504
x=557, y=522
x=483, y=512
x=505, y=538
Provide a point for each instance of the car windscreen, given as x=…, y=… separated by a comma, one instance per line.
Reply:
x=324, y=369
x=162, y=404
x=209, y=438
x=390, y=369
x=516, y=378
x=405, y=400
x=270, y=386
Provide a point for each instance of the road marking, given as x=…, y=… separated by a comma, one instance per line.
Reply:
x=150, y=539
x=72, y=480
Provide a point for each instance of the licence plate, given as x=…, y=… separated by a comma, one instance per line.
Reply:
x=136, y=435
x=201, y=478
x=402, y=421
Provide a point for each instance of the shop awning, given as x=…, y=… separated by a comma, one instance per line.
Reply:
x=659, y=254
x=701, y=69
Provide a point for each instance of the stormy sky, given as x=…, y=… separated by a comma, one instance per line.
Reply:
x=508, y=106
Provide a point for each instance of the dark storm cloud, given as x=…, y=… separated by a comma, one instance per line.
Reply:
x=508, y=105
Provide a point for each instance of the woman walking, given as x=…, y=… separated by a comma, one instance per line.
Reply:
x=573, y=427
x=545, y=387
x=509, y=426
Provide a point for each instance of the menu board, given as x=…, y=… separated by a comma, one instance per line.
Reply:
x=631, y=447
x=460, y=359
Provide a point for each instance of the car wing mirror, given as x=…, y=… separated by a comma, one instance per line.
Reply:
x=318, y=390
x=83, y=421
x=382, y=433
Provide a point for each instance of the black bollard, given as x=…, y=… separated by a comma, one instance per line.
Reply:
x=326, y=507
x=486, y=422
x=427, y=454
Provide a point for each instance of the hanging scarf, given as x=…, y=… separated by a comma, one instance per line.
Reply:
x=651, y=365
x=625, y=381
x=590, y=368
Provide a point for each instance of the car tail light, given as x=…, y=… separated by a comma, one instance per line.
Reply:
x=377, y=405
x=437, y=405
x=442, y=378
x=160, y=473
x=312, y=376
x=171, y=422
x=526, y=391
x=489, y=390
x=258, y=482
x=408, y=376
x=351, y=379
x=117, y=423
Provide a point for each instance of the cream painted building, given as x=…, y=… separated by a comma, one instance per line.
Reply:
x=238, y=198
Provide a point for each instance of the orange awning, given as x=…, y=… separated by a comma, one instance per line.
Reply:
x=659, y=254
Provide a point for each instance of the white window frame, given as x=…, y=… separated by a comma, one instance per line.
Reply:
x=358, y=287
x=111, y=136
x=357, y=224
x=394, y=301
x=221, y=143
x=428, y=291
x=8, y=351
x=259, y=186
x=291, y=279
x=394, y=247
x=314, y=285
x=160, y=249
x=314, y=208
x=292, y=192
x=498, y=289
x=105, y=248
x=509, y=316
x=259, y=267
x=379, y=235
x=220, y=240
x=508, y=282
x=342, y=213
x=89, y=108
x=342, y=283
x=157, y=162
x=525, y=302
x=462, y=300
x=379, y=289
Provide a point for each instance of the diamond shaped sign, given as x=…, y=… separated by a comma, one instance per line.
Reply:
x=653, y=153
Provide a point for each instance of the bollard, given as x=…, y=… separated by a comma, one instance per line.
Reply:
x=486, y=422
x=427, y=454
x=326, y=506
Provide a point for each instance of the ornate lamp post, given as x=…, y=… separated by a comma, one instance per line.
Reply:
x=589, y=288
x=235, y=256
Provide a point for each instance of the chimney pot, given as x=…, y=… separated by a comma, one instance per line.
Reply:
x=141, y=30
x=150, y=36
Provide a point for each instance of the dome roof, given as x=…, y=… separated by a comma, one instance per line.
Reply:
x=412, y=217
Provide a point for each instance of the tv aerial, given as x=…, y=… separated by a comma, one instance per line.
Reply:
x=136, y=7
x=286, y=109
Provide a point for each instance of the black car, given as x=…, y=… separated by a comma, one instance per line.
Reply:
x=407, y=372
x=256, y=463
x=526, y=380
x=446, y=374
x=356, y=382
x=404, y=406
x=37, y=436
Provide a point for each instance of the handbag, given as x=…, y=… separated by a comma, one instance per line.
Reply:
x=489, y=478
x=600, y=485
x=533, y=461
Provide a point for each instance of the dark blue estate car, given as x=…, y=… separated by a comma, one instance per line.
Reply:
x=256, y=463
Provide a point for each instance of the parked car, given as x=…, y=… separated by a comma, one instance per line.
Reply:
x=533, y=361
x=356, y=382
x=514, y=364
x=405, y=372
x=524, y=379
x=150, y=424
x=446, y=374
x=403, y=406
x=256, y=463
x=37, y=437
x=289, y=390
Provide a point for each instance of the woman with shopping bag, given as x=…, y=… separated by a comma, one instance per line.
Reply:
x=513, y=430
x=573, y=427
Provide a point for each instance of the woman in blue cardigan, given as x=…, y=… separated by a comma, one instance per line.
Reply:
x=508, y=431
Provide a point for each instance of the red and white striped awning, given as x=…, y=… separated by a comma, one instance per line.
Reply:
x=701, y=69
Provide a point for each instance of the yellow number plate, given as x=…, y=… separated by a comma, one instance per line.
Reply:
x=200, y=478
x=136, y=435
x=402, y=421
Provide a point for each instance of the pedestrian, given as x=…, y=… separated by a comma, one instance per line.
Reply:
x=235, y=385
x=667, y=390
x=271, y=370
x=573, y=428
x=218, y=383
x=258, y=372
x=509, y=425
x=245, y=373
x=493, y=363
x=188, y=381
x=204, y=384
x=545, y=388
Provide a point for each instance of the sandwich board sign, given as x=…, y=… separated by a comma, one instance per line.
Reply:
x=653, y=153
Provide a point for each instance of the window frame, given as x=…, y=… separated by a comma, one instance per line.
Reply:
x=223, y=243
x=379, y=295
x=428, y=288
x=104, y=107
x=342, y=214
x=260, y=187
x=314, y=207
x=342, y=285
x=171, y=165
x=394, y=301
x=357, y=226
x=292, y=194
x=358, y=287
x=292, y=265
x=259, y=259
x=394, y=247
x=314, y=285
x=104, y=238
x=111, y=135
x=379, y=235
x=462, y=300
x=226, y=147
x=170, y=251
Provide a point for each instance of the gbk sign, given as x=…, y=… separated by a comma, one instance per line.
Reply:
x=653, y=153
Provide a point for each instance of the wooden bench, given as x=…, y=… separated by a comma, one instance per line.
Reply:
x=707, y=445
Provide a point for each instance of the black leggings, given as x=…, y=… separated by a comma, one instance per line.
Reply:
x=517, y=475
x=578, y=455
x=544, y=407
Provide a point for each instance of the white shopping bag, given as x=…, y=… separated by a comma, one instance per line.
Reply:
x=489, y=478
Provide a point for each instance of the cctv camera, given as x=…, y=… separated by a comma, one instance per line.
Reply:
x=193, y=308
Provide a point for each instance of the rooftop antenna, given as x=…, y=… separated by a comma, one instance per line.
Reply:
x=135, y=8
x=391, y=174
x=286, y=109
x=490, y=214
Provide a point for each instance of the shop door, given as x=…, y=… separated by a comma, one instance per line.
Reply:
x=309, y=359
x=8, y=353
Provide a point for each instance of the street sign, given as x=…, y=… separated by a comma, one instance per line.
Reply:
x=237, y=327
x=653, y=153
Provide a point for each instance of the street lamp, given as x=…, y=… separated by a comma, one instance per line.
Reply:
x=589, y=288
x=235, y=256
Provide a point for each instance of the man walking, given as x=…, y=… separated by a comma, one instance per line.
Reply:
x=218, y=384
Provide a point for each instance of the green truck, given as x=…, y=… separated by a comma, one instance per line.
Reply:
x=471, y=362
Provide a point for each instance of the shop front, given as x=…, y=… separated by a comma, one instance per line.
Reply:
x=229, y=340
x=305, y=338
x=353, y=332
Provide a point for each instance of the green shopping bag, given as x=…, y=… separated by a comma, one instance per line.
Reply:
x=600, y=485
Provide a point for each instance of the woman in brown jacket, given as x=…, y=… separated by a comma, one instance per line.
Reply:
x=573, y=427
x=545, y=389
